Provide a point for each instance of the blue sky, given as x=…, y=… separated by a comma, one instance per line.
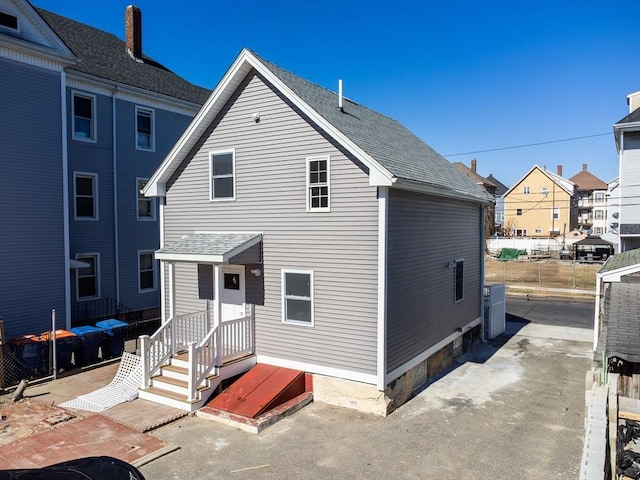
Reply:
x=465, y=76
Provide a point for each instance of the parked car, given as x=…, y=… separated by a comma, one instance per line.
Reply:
x=89, y=468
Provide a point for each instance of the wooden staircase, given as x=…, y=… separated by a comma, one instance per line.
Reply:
x=170, y=386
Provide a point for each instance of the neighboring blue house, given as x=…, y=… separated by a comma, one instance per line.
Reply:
x=85, y=120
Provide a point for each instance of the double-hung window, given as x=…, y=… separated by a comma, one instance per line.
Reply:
x=146, y=272
x=86, y=196
x=145, y=139
x=556, y=213
x=84, y=116
x=459, y=280
x=318, y=184
x=222, y=175
x=297, y=297
x=87, y=285
x=145, y=205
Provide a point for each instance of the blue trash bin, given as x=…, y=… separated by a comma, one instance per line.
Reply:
x=91, y=339
x=116, y=334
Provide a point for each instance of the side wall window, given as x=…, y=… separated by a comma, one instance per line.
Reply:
x=146, y=271
x=87, y=278
x=85, y=196
x=83, y=112
x=459, y=280
x=145, y=120
x=222, y=175
x=145, y=205
x=297, y=297
x=318, y=175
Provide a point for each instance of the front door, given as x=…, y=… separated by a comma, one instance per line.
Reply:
x=232, y=292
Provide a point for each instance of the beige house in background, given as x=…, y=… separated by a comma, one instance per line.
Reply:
x=540, y=204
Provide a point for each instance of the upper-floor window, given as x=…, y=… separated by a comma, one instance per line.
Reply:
x=556, y=213
x=145, y=139
x=544, y=191
x=599, y=197
x=518, y=211
x=599, y=214
x=8, y=21
x=146, y=271
x=85, y=196
x=145, y=205
x=318, y=184
x=87, y=278
x=459, y=280
x=526, y=190
x=222, y=175
x=297, y=297
x=84, y=116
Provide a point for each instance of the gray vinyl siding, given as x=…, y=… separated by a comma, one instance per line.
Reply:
x=340, y=246
x=630, y=187
x=424, y=234
x=32, y=257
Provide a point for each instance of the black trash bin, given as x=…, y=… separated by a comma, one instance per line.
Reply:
x=66, y=343
x=31, y=355
x=116, y=335
x=91, y=339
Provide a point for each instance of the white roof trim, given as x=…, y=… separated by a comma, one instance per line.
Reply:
x=566, y=185
x=156, y=186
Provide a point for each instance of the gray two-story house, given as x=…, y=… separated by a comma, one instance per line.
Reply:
x=85, y=119
x=317, y=235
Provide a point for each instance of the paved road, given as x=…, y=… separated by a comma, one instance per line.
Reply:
x=513, y=409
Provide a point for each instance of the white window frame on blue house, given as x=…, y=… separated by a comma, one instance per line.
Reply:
x=297, y=298
x=94, y=196
x=81, y=257
x=150, y=112
x=141, y=271
x=151, y=201
x=93, y=131
x=213, y=176
x=314, y=186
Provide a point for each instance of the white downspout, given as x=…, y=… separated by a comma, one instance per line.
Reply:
x=65, y=203
x=383, y=207
x=163, y=293
x=115, y=195
x=596, y=316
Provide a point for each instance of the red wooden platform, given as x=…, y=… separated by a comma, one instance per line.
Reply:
x=261, y=389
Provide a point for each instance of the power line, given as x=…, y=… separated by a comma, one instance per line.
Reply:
x=529, y=144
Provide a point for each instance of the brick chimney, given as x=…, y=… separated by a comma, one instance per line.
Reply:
x=473, y=165
x=133, y=30
x=559, y=170
x=584, y=166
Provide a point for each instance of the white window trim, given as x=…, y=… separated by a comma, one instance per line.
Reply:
x=284, y=297
x=97, y=272
x=553, y=213
x=93, y=138
x=152, y=203
x=232, y=151
x=308, y=162
x=152, y=113
x=155, y=272
x=96, y=210
x=455, y=265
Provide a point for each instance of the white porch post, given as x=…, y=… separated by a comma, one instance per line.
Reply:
x=217, y=310
x=172, y=304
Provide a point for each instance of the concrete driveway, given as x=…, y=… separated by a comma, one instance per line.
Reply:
x=514, y=408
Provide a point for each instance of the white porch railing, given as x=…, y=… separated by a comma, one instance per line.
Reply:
x=208, y=347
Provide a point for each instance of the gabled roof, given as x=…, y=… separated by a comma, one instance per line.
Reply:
x=621, y=306
x=478, y=179
x=620, y=261
x=394, y=155
x=586, y=180
x=633, y=117
x=567, y=185
x=103, y=55
x=501, y=188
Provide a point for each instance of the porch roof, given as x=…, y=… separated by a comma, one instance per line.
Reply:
x=208, y=247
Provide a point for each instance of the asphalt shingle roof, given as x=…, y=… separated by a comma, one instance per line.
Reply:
x=621, y=260
x=621, y=307
x=104, y=55
x=386, y=140
x=631, y=117
x=208, y=243
x=586, y=180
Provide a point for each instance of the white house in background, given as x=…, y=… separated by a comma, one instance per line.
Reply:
x=341, y=243
x=627, y=134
